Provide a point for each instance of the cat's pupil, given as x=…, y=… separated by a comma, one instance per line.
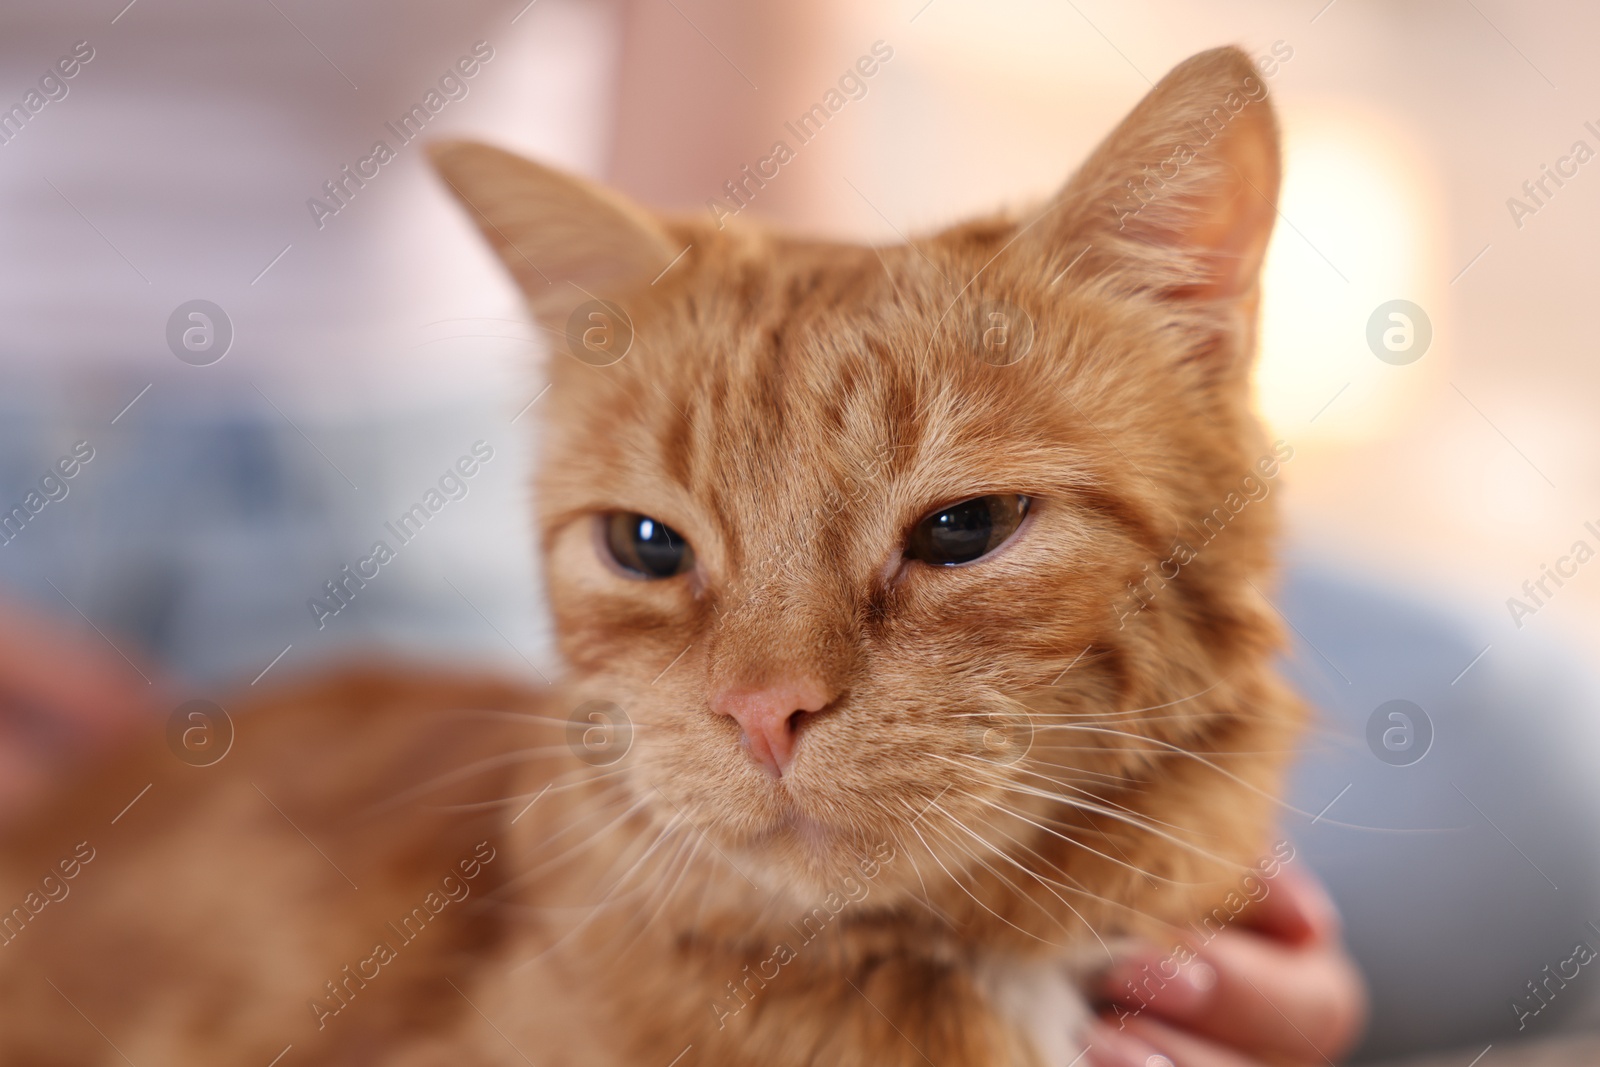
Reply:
x=647, y=547
x=966, y=531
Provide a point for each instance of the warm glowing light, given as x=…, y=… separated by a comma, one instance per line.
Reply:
x=1357, y=229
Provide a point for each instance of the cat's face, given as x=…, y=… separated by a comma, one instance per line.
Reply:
x=860, y=541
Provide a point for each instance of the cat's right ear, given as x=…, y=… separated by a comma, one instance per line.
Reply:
x=565, y=240
x=1180, y=200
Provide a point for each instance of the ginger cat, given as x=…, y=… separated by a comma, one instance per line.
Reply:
x=915, y=645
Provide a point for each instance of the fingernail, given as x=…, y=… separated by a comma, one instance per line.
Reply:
x=1162, y=985
x=1110, y=1047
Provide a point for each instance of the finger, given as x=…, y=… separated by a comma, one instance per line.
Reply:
x=23, y=775
x=1114, y=1047
x=47, y=668
x=1176, y=1048
x=1148, y=980
x=1296, y=909
x=1291, y=1000
x=1152, y=1044
x=1250, y=992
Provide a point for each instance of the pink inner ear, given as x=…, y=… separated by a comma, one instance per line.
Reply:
x=1189, y=180
x=1223, y=217
x=1234, y=221
x=563, y=239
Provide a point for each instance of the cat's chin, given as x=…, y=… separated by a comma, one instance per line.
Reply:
x=793, y=833
x=806, y=859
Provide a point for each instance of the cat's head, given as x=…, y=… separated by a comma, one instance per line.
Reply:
x=953, y=546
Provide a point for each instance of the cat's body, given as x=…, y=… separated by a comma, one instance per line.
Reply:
x=851, y=805
x=239, y=934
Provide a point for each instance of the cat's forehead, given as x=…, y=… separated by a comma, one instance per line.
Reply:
x=828, y=333
x=824, y=348
x=768, y=384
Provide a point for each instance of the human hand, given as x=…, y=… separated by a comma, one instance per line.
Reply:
x=1277, y=987
x=63, y=695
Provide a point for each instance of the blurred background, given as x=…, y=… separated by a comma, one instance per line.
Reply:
x=348, y=355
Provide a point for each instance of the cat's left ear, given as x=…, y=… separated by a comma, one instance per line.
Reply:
x=565, y=240
x=1181, y=198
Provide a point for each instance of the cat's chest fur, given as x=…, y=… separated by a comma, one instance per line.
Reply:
x=1042, y=997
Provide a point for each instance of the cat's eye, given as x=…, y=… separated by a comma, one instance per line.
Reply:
x=966, y=531
x=646, y=547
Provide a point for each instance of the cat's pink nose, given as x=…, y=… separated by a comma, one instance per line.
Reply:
x=771, y=718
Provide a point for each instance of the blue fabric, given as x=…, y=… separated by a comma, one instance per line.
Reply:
x=200, y=542
x=1500, y=876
